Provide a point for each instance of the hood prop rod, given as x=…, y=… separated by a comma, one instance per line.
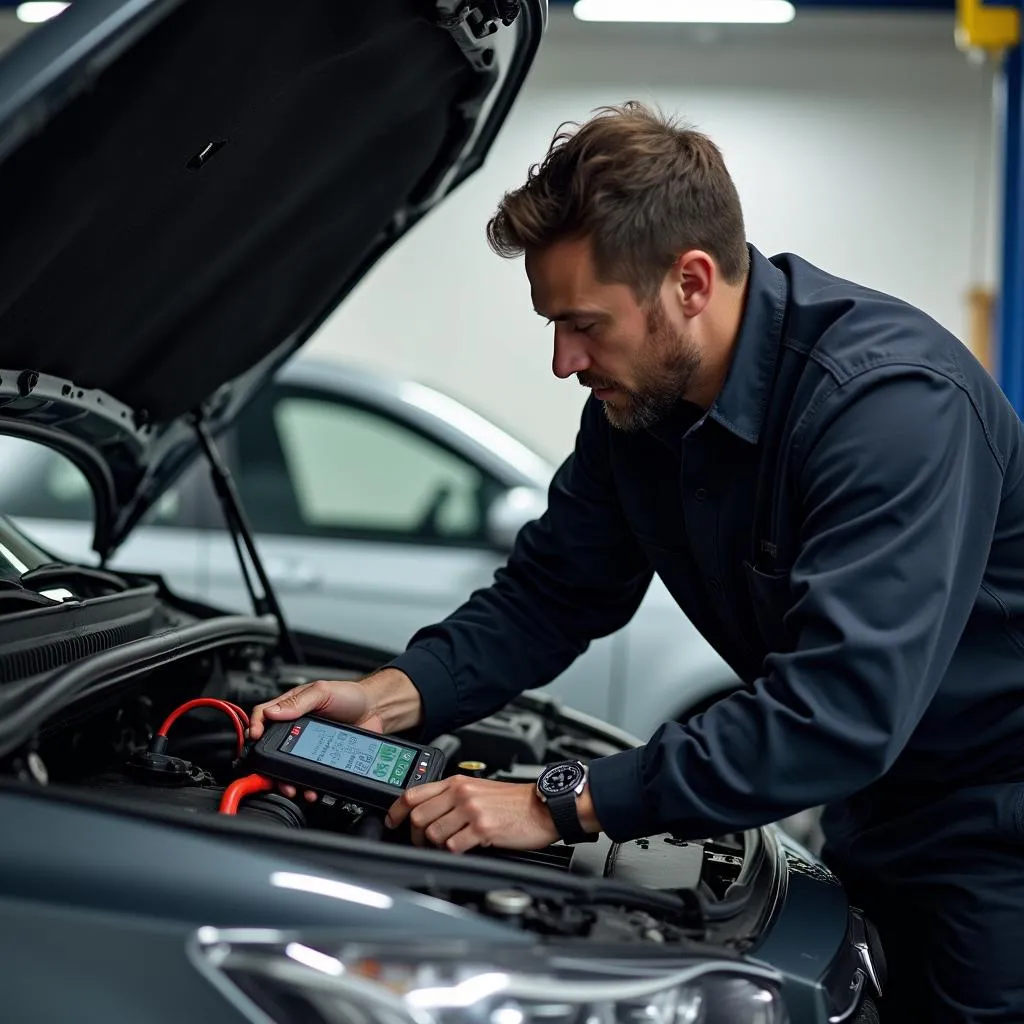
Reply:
x=241, y=533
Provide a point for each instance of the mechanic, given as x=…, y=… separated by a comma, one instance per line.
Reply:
x=832, y=489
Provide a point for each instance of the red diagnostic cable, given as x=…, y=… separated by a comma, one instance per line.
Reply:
x=237, y=715
x=240, y=788
x=238, y=711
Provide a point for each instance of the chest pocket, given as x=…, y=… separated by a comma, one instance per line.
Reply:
x=770, y=598
x=774, y=542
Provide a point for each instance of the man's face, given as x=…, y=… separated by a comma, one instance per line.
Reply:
x=638, y=359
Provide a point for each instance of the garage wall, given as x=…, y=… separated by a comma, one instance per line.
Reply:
x=864, y=145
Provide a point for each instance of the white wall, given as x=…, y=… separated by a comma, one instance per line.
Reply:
x=863, y=145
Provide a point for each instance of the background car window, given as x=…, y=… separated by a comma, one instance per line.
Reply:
x=314, y=466
x=40, y=483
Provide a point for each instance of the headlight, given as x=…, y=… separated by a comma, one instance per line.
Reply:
x=274, y=977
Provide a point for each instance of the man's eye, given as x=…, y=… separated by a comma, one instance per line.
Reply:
x=577, y=327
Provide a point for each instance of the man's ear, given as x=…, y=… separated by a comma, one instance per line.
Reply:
x=693, y=275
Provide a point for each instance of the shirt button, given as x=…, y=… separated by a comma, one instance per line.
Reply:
x=715, y=587
x=701, y=493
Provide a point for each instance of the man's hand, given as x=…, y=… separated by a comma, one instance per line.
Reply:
x=386, y=701
x=462, y=812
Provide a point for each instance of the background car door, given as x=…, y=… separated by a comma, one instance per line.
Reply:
x=366, y=527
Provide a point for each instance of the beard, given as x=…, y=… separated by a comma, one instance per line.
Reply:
x=667, y=365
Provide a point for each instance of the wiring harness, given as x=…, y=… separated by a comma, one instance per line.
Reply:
x=240, y=788
x=238, y=717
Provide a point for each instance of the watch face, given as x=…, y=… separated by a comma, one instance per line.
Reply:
x=560, y=778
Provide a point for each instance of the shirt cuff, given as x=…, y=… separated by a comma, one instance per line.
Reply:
x=617, y=790
x=436, y=687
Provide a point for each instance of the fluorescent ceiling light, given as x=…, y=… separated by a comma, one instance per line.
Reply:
x=705, y=12
x=38, y=11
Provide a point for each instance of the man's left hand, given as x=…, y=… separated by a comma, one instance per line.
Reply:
x=462, y=812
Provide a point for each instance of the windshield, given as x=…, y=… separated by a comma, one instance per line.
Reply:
x=18, y=554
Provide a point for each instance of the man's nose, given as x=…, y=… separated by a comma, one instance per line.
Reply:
x=570, y=355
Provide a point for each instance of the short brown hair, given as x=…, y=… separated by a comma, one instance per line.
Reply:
x=640, y=186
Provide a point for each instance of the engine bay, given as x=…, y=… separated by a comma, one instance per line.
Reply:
x=106, y=686
x=97, y=747
x=84, y=727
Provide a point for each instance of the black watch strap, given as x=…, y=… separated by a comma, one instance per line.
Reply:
x=563, y=813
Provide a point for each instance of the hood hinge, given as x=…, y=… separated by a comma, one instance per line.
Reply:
x=470, y=21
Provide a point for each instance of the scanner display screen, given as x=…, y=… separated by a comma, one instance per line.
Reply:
x=345, y=751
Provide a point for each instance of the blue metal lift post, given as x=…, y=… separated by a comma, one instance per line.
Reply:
x=1010, y=311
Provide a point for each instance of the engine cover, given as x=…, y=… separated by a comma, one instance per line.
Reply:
x=661, y=862
x=269, y=807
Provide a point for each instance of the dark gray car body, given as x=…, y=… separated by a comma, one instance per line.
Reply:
x=102, y=904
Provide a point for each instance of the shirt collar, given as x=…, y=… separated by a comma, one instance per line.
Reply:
x=741, y=404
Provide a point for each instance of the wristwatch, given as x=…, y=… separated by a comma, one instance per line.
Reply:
x=558, y=786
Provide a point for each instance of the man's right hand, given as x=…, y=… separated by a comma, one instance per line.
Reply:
x=386, y=701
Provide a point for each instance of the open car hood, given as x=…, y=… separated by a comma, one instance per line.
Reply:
x=189, y=187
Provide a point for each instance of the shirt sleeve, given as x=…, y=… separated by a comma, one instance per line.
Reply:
x=575, y=574
x=899, y=492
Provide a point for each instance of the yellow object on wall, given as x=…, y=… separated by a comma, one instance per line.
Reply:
x=981, y=26
x=980, y=311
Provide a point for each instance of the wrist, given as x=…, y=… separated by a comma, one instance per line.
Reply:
x=586, y=812
x=563, y=788
x=393, y=696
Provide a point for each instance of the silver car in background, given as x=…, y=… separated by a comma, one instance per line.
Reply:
x=378, y=505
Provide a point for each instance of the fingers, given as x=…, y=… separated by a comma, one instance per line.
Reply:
x=411, y=798
x=288, y=790
x=427, y=819
x=437, y=820
x=439, y=813
x=462, y=812
x=343, y=701
x=448, y=829
x=290, y=703
x=465, y=839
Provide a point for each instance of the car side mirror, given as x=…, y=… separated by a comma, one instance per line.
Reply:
x=511, y=511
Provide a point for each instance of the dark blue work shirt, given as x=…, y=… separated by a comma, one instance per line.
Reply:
x=874, y=605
